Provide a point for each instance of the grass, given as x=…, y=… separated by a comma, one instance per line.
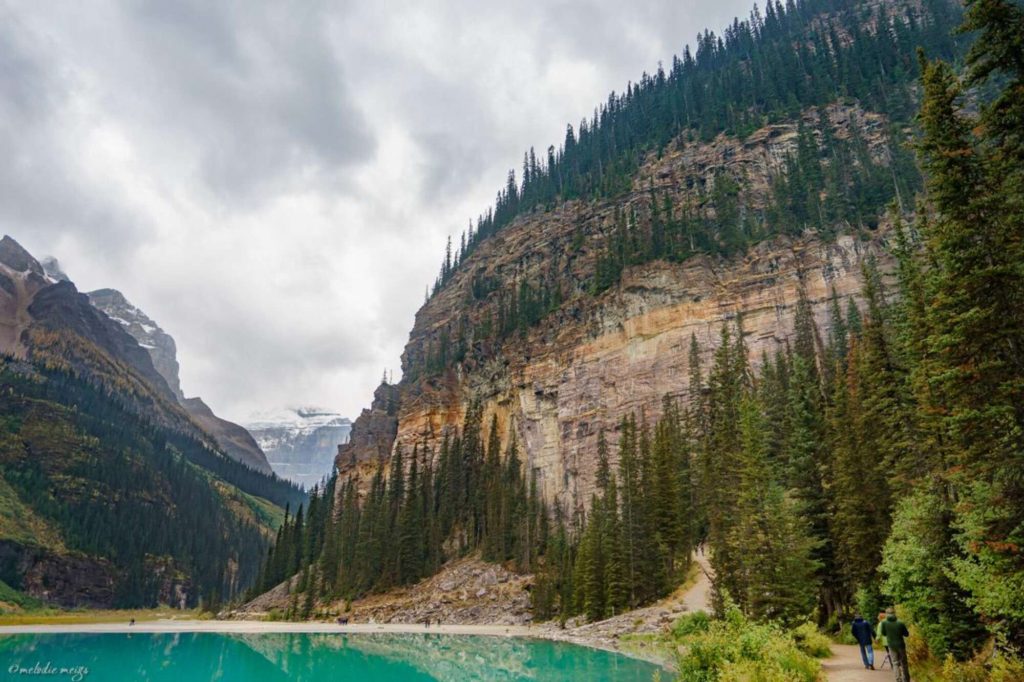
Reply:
x=11, y=600
x=20, y=524
x=266, y=511
x=85, y=616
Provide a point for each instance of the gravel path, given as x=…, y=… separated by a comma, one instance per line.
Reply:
x=845, y=666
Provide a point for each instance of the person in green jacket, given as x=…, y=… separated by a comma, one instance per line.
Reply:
x=881, y=638
x=895, y=632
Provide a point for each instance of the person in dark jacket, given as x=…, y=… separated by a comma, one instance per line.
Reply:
x=895, y=633
x=861, y=630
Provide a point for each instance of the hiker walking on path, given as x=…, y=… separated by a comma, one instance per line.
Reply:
x=861, y=630
x=882, y=638
x=895, y=633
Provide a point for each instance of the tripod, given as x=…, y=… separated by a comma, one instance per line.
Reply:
x=887, y=659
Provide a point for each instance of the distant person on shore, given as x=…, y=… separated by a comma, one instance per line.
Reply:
x=895, y=633
x=861, y=630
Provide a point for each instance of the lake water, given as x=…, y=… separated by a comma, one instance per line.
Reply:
x=184, y=657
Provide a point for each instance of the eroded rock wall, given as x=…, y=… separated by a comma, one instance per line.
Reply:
x=557, y=388
x=597, y=358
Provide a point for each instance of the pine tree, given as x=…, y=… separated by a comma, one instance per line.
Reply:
x=632, y=499
x=970, y=380
x=776, y=575
x=720, y=462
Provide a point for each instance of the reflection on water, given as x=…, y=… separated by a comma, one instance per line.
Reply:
x=183, y=657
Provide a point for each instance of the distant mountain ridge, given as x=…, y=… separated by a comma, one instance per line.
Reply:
x=301, y=443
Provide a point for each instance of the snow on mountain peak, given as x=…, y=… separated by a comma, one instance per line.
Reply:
x=300, y=442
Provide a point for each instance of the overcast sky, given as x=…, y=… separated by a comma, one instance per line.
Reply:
x=273, y=182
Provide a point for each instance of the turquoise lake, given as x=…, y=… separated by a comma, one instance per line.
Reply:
x=280, y=657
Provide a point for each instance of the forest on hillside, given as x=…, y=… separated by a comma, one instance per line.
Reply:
x=767, y=68
x=878, y=462
x=156, y=503
x=832, y=182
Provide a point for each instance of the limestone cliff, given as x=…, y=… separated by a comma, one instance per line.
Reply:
x=597, y=358
x=373, y=432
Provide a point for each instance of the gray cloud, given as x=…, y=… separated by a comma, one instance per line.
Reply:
x=254, y=91
x=274, y=182
x=39, y=189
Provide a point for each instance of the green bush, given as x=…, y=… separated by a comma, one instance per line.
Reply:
x=691, y=624
x=811, y=641
x=735, y=649
x=998, y=668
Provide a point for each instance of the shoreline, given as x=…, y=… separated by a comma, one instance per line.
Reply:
x=269, y=627
x=543, y=631
x=606, y=635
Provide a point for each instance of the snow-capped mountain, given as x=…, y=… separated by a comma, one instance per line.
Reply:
x=301, y=442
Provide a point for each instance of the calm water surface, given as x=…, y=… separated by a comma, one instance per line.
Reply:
x=184, y=657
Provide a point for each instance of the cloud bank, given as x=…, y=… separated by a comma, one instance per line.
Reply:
x=274, y=182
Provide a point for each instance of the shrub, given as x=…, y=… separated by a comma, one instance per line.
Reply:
x=691, y=624
x=734, y=649
x=812, y=642
x=998, y=668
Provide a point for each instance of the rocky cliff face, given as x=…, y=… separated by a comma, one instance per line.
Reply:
x=373, y=432
x=21, y=278
x=145, y=331
x=597, y=358
x=558, y=387
x=67, y=580
x=301, y=444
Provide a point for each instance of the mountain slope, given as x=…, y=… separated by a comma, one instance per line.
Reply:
x=110, y=494
x=160, y=346
x=232, y=438
x=745, y=192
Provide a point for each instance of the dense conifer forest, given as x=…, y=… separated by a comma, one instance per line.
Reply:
x=768, y=68
x=877, y=462
x=135, y=493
